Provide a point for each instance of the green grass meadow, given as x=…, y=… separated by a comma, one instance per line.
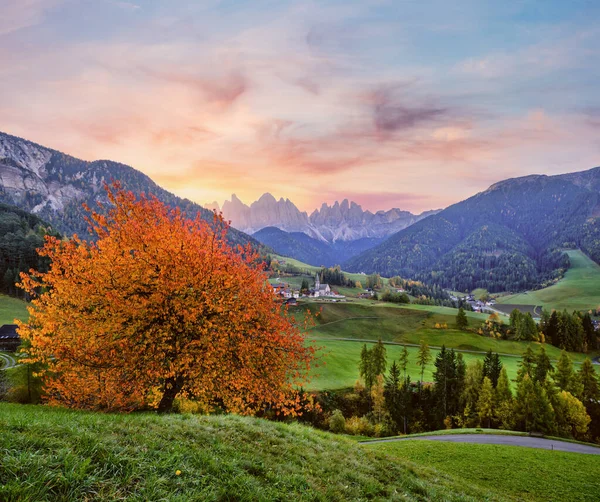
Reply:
x=517, y=472
x=11, y=309
x=65, y=455
x=341, y=329
x=578, y=290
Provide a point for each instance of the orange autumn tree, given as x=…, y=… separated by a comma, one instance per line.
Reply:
x=159, y=306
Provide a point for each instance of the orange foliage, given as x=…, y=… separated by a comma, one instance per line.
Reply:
x=160, y=306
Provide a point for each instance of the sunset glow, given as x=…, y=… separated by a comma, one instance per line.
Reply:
x=403, y=104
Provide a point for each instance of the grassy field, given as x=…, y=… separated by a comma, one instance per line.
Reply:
x=341, y=364
x=62, y=455
x=342, y=328
x=11, y=308
x=312, y=269
x=520, y=473
x=578, y=290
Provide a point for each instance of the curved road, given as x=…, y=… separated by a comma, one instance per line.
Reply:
x=7, y=361
x=527, y=441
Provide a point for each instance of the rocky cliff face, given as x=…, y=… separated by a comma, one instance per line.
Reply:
x=345, y=221
x=54, y=185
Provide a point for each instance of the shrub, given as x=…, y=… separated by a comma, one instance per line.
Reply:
x=337, y=422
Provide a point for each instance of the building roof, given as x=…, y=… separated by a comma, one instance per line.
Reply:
x=9, y=332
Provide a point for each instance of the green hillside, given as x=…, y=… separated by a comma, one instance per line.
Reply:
x=558, y=476
x=62, y=455
x=578, y=290
x=11, y=309
x=342, y=328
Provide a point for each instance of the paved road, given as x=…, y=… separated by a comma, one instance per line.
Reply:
x=530, y=442
x=7, y=361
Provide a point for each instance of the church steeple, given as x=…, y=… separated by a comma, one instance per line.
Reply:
x=317, y=282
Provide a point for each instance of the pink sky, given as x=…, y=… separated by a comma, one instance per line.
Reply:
x=311, y=101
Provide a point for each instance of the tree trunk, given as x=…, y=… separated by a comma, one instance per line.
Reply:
x=171, y=388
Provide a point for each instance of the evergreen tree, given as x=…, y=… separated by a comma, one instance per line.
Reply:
x=485, y=403
x=590, y=396
x=423, y=358
x=473, y=379
x=591, y=339
x=503, y=402
x=461, y=319
x=404, y=360
x=564, y=376
x=543, y=366
x=447, y=382
x=526, y=328
x=527, y=364
x=397, y=397
x=552, y=329
x=589, y=383
x=379, y=358
x=515, y=319
x=492, y=367
x=533, y=411
x=365, y=367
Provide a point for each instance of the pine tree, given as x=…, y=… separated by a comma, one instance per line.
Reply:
x=552, y=329
x=563, y=376
x=485, y=403
x=527, y=364
x=473, y=379
x=492, y=367
x=379, y=358
x=591, y=339
x=365, y=367
x=503, y=402
x=543, y=366
x=461, y=319
x=404, y=360
x=589, y=382
x=423, y=358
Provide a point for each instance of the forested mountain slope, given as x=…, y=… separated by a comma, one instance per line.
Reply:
x=315, y=252
x=53, y=185
x=509, y=237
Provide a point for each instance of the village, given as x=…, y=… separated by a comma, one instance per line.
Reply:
x=290, y=294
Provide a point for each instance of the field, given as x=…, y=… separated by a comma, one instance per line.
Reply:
x=313, y=270
x=341, y=364
x=342, y=328
x=11, y=308
x=578, y=290
x=522, y=473
x=55, y=454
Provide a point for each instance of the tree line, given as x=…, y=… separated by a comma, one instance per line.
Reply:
x=545, y=398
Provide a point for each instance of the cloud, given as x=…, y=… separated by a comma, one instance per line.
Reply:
x=221, y=90
x=18, y=14
x=392, y=111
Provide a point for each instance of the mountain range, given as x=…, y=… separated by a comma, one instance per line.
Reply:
x=509, y=237
x=54, y=185
x=342, y=221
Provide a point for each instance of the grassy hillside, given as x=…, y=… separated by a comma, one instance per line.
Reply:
x=54, y=454
x=578, y=290
x=11, y=309
x=341, y=329
x=522, y=473
x=341, y=360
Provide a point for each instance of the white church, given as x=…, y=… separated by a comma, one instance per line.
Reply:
x=321, y=289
